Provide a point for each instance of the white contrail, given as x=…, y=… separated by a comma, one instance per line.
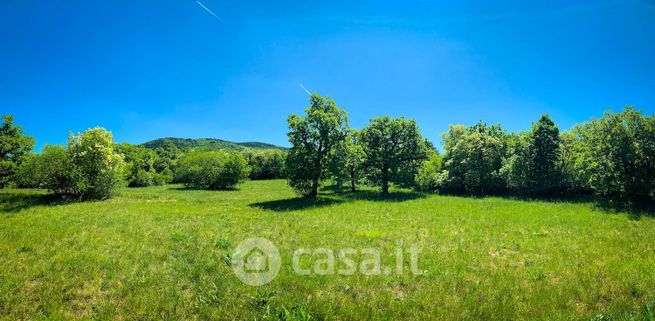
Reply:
x=305, y=89
x=210, y=12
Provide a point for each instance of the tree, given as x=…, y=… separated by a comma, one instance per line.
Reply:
x=616, y=155
x=14, y=145
x=96, y=163
x=346, y=162
x=473, y=159
x=533, y=166
x=313, y=138
x=29, y=173
x=543, y=155
x=89, y=167
x=141, y=166
x=394, y=151
x=215, y=170
x=428, y=178
x=266, y=164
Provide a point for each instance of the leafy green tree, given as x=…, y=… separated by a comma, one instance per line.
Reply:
x=616, y=155
x=394, y=151
x=533, y=166
x=266, y=164
x=30, y=173
x=428, y=176
x=141, y=169
x=89, y=167
x=473, y=159
x=14, y=145
x=543, y=155
x=98, y=166
x=346, y=163
x=313, y=138
x=166, y=162
x=58, y=174
x=212, y=170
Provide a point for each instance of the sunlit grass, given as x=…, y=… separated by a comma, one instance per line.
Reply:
x=162, y=253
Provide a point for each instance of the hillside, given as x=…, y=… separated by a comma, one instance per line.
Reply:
x=207, y=144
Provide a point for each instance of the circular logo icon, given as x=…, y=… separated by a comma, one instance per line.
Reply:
x=256, y=261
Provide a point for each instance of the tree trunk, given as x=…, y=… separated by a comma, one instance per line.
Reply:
x=385, y=180
x=314, y=191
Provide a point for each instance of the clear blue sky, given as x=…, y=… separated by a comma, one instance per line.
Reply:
x=149, y=68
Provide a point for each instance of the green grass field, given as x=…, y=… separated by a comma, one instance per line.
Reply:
x=163, y=253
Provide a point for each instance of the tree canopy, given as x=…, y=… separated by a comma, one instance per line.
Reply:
x=394, y=150
x=313, y=137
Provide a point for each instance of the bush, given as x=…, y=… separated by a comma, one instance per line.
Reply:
x=427, y=179
x=212, y=170
x=88, y=168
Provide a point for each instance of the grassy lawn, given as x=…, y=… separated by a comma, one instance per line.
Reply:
x=164, y=253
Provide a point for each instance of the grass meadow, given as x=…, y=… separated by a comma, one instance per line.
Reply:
x=163, y=253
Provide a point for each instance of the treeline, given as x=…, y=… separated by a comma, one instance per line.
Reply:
x=612, y=157
x=91, y=166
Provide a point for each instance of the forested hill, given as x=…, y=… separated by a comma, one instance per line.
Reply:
x=207, y=144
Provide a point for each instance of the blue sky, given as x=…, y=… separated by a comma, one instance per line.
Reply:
x=149, y=69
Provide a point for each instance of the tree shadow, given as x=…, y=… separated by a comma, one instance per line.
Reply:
x=298, y=203
x=635, y=210
x=376, y=196
x=16, y=202
x=191, y=188
x=335, y=196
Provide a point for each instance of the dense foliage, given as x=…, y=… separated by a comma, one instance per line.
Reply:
x=394, y=150
x=266, y=164
x=212, y=170
x=206, y=144
x=347, y=160
x=14, y=145
x=314, y=137
x=473, y=159
x=533, y=165
x=89, y=167
x=612, y=156
x=145, y=167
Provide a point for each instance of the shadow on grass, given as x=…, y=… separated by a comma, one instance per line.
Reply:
x=191, y=188
x=336, y=197
x=376, y=196
x=15, y=202
x=635, y=210
x=298, y=203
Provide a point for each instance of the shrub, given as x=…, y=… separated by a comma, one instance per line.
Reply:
x=427, y=179
x=212, y=170
x=88, y=168
x=96, y=165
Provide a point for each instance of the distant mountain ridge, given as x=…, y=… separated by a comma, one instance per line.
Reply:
x=207, y=144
